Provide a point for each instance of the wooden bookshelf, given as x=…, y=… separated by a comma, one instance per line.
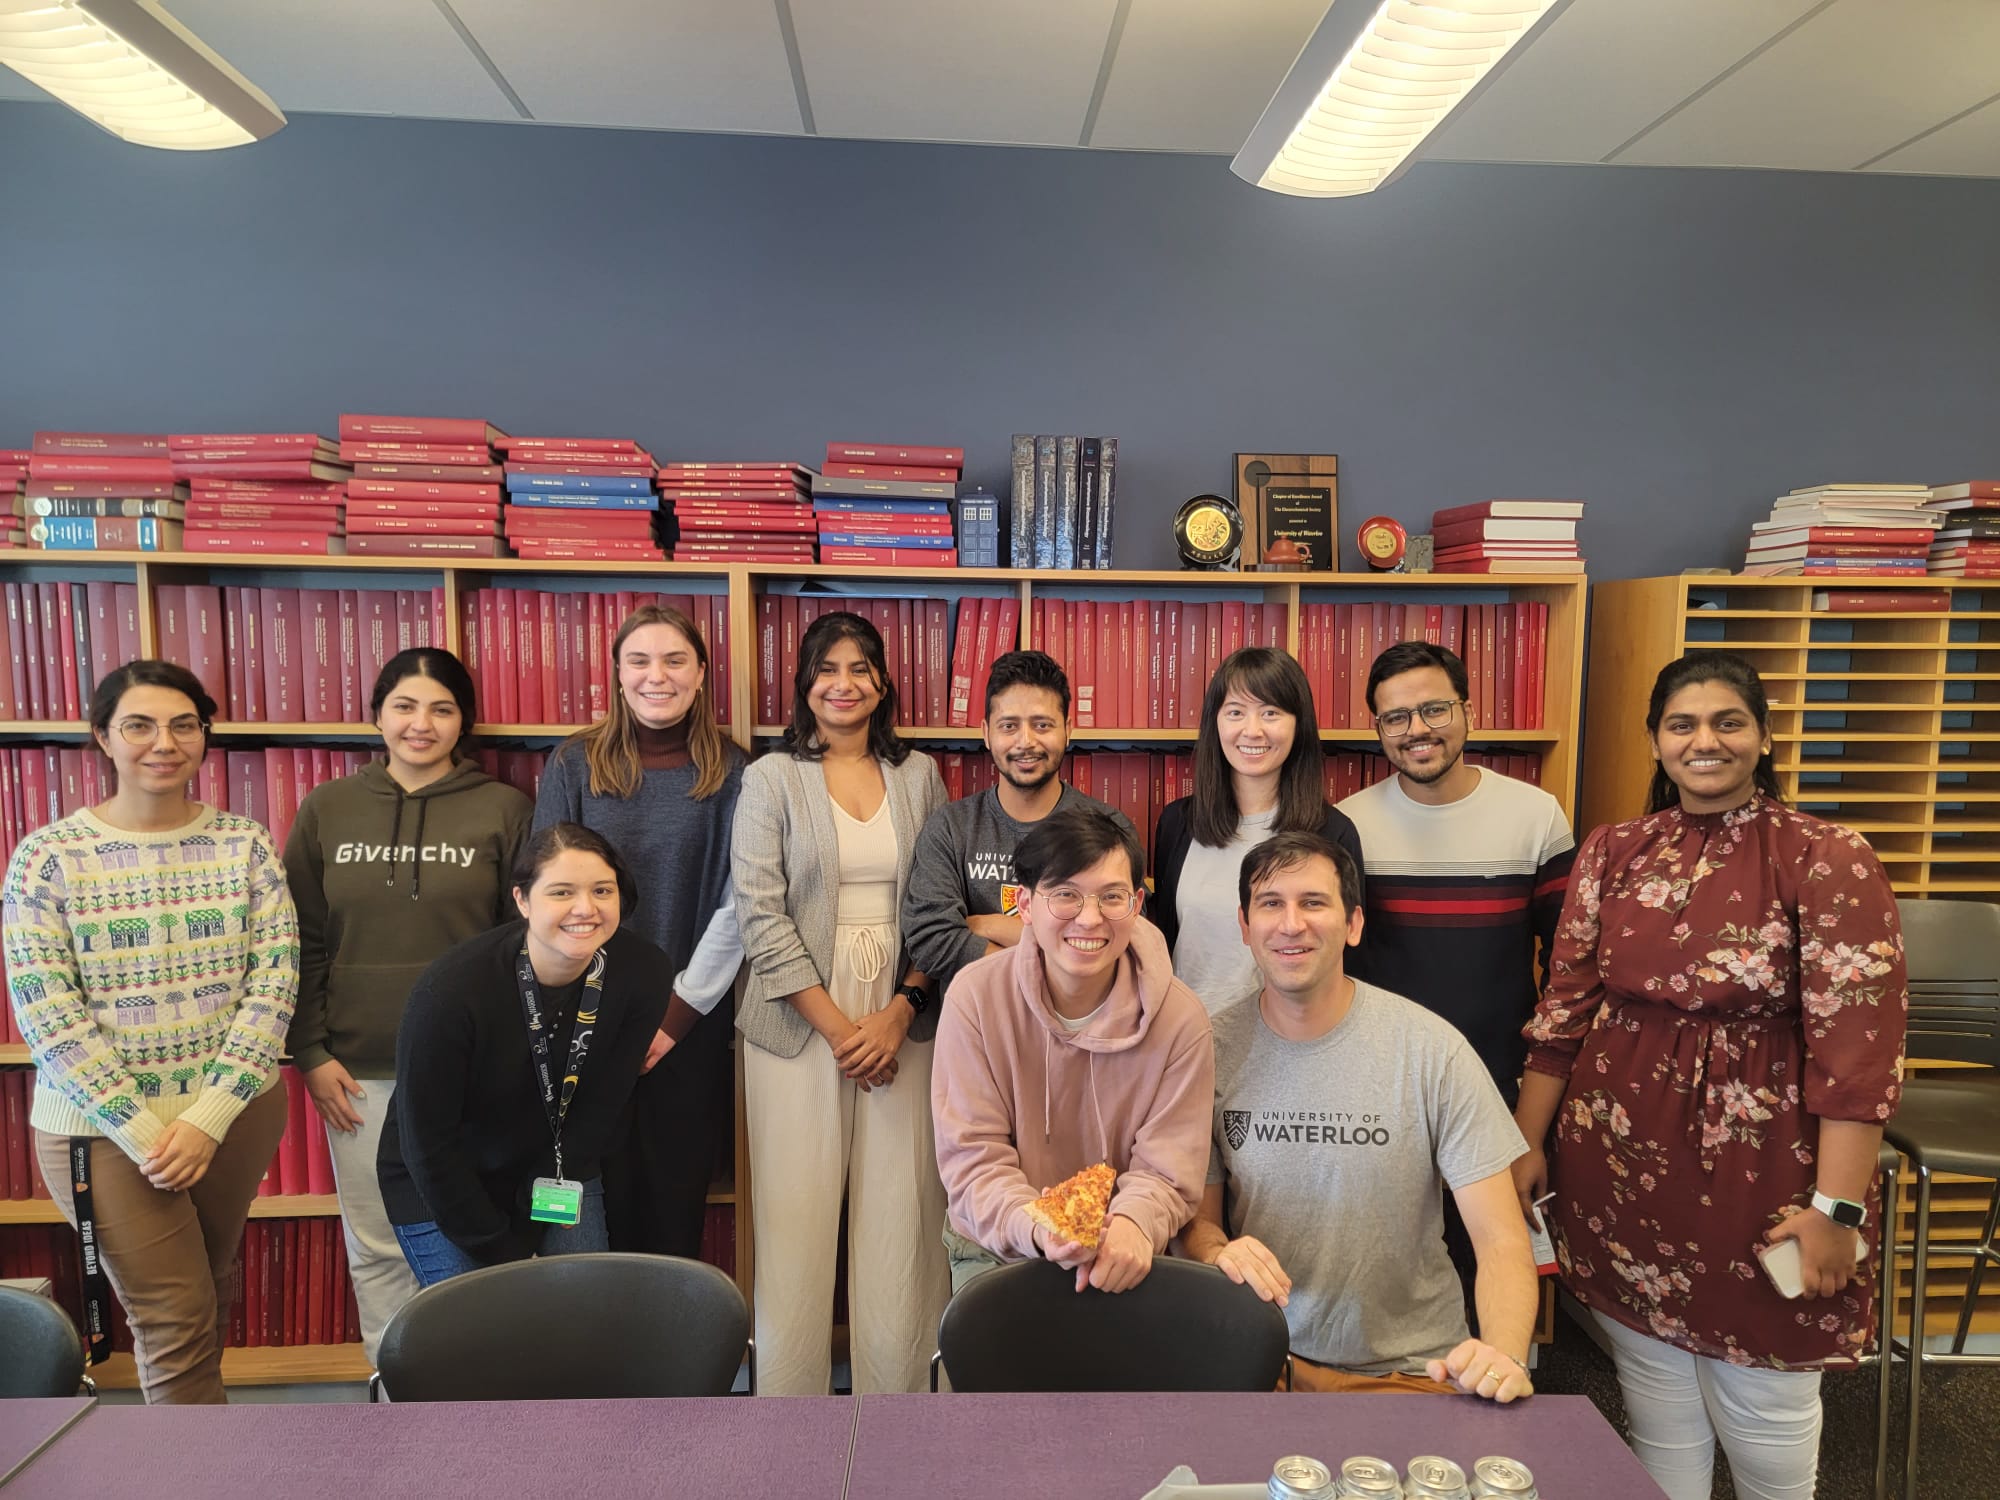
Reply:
x=1887, y=722
x=743, y=585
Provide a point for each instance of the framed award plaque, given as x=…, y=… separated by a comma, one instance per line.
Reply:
x=1291, y=495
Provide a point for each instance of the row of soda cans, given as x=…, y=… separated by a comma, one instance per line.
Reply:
x=1427, y=1478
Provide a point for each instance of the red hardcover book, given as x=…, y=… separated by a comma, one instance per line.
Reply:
x=279, y=469
x=562, y=629
x=937, y=662
x=1131, y=663
x=62, y=646
x=450, y=474
x=1232, y=628
x=561, y=525
x=985, y=647
x=536, y=651
x=354, y=689
x=1518, y=565
x=420, y=431
x=609, y=465
x=269, y=491
x=290, y=543
x=292, y=1145
x=768, y=688
x=99, y=444
x=242, y=623
x=1489, y=664
x=734, y=467
x=931, y=475
x=170, y=621
x=319, y=623
x=865, y=523
x=1538, y=650
x=415, y=525
x=298, y=516
x=484, y=495
x=19, y=1170
x=158, y=470
x=599, y=631
x=277, y=442
x=281, y=778
x=1970, y=489
x=964, y=650
x=207, y=639
x=31, y=633
x=570, y=445
x=284, y=673
x=1080, y=662
x=314, y=1231
x=435, y=455
x=290, y=1283
x=1554, y=510
x=100, y=489
x=1150, y=669
x=487, y=645
x=720, y=690
x=507, y=605
x=889, y=557
x=1872, y=601
x=14, y=681
x=442, y=510
x=881, y=454
x=421, y=544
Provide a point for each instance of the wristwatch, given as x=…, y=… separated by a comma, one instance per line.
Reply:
x=917, y=995
x=1843, y=1211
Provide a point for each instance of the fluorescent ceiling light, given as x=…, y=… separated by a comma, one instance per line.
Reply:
x=1372, y=82
x=136, y=71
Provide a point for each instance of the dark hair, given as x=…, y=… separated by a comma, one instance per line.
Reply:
x=1069, y=841
x=441, y=667
x=1270, y=676
x=149, y=672
x=1035, y=669
x=1411, y=656
x=829, y=630
x=1734, y=673
x=1283, y=851
x=545, y=844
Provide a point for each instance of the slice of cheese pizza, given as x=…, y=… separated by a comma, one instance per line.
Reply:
x=1076, y=1209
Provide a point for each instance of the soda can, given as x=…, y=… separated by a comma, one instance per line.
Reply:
x=1502, y=1479
x=1368, y=1479
x=1434, y=1478
x=1297, y=1477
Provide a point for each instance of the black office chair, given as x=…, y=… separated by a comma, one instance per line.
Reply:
x=569, y=1326
x=1186, y=1327
x=44, y=1350
x=1948, y=1122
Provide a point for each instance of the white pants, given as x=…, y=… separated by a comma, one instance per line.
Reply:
x=1680, y=1403
x=813, y=1137
x=383, y=1281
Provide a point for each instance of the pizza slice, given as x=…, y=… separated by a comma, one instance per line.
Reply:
x=1077, y=1208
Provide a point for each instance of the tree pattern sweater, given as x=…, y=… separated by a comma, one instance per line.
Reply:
x=152, y=974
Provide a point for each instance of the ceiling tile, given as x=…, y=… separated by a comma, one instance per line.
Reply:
x=1965, y=148
x=362, y=57
x=1192, y=75
x=1603, y=71
x=1016, y=72
x=658, y=64
x=1853, y=81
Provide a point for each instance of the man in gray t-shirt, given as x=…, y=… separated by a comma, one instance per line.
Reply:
x=1339, y=1108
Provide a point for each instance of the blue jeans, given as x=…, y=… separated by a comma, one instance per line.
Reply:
x=434, y=1258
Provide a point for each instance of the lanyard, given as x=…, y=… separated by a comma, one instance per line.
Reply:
x=96, y=1286
x=554, y=1104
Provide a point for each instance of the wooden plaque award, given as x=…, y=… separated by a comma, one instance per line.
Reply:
x=1291, y=495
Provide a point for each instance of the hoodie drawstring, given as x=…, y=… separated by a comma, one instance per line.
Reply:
x=395, y=831
x=417, y=853
x=396, y=849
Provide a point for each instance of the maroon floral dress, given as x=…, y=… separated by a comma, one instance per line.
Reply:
x=1720, y=983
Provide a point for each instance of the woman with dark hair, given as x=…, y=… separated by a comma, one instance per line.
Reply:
x=839, y=1025
x=152, y=961
x=1258, y=770
x=656, y=777
x=514, y=1063
x=390, y=868
x=1719, y=1043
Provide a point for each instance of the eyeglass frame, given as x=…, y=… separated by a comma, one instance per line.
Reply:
x=1084, y=898
x=198, y=731
x=1422, y=710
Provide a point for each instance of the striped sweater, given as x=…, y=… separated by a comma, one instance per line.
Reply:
x=152, y=974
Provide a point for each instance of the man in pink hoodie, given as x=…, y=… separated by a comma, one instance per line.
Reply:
x=1075, y=1048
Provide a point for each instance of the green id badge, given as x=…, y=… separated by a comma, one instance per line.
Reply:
x=555, y=1200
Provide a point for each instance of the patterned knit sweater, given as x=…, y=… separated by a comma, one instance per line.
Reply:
x=152, y=974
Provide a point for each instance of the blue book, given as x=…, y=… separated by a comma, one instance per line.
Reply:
x=870, y=539
x=850, y=505
x=79, y=533
x=586, y=484
x=583, y=502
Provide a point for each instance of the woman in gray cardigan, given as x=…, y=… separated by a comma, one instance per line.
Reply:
x=837, y=1073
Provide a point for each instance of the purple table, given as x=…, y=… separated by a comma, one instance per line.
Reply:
x=478, y=1450
x=29, y=1423
x=1119, y=1447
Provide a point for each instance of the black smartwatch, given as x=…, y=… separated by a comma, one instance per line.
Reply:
x=917, y=995
x=1843, y=1211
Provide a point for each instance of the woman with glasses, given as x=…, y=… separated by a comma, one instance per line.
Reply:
x=839, y=1025
x=152, y=959
x=1720, y=1042
x=1258, y=770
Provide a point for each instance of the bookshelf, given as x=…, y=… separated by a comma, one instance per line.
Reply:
x=1887, y=722
x=742, y=588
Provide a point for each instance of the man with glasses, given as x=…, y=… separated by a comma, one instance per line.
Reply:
x=1074, y=1047
x=1466, y=867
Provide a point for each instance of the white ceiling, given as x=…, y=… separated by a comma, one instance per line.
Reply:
x=1834, y=85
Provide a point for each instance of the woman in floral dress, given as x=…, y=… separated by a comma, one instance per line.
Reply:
x=1720, y=1040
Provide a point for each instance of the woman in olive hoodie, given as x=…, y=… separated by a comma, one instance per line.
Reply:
x=389, y=869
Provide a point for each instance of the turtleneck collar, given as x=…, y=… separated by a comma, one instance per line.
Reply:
x=664, y=749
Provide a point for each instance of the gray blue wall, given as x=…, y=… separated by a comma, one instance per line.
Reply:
x=1675, y=347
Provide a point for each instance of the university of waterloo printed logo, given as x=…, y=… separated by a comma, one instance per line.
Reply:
x=1236, y=1127
x=1010, y=901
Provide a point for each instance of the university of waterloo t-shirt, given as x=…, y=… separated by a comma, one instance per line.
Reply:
x=1331, y=1152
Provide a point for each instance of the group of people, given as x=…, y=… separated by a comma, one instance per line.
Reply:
x=1317, y=1053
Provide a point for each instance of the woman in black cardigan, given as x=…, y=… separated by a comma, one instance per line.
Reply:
x=491, y=1151
x=1258, y=770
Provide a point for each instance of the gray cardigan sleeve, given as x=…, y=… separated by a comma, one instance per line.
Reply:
x=559, y=796
x=777, y=953
x=934, y=909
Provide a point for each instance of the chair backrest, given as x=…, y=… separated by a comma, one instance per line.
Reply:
x=1953, y=952
x=569, y=1326
x=1186, y=1327
x=44, y=1353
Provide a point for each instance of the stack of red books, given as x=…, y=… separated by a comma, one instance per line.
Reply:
x=261, y=491
x=422, y=486
x=112, y=486
x=13, y=499
x=1967, y=541
x=1507, y=536
x=880, y=505
x=570, y=498
x=744, y=511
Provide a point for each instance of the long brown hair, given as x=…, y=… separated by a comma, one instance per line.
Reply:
x=1270, y=676
x=611, y=745
x=1734, y=673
